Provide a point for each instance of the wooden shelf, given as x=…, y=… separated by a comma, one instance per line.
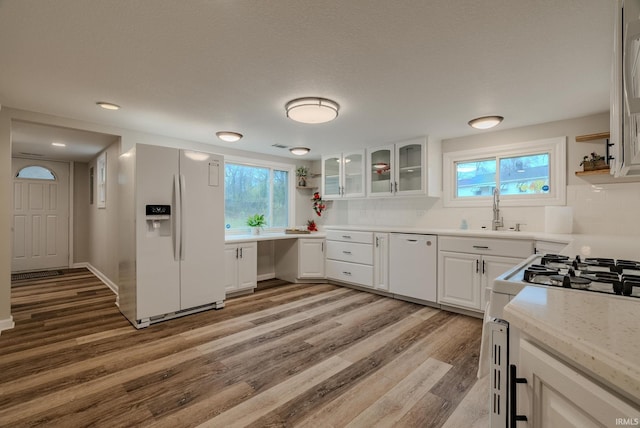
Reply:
x=594, y=172
x=592, y=137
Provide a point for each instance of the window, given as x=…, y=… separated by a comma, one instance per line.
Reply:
x=251, y=188
x=527, y=174
x=36, y=173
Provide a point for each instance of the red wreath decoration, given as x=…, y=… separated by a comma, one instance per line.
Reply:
x=318, y=204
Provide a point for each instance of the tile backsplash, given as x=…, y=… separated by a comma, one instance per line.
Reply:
x=600, y=209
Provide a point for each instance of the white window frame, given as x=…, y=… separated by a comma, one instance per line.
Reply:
x=557, y=195
x=272, y=165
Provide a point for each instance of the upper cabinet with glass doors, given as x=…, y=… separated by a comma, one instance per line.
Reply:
x=404, y=169
x=343, y=175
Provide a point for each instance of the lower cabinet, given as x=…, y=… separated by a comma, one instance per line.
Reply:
x=350, y=257
x=241, y=262
x=299, y=260
x=468, y=266
x=557, y=395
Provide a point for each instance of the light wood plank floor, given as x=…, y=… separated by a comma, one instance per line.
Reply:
x=287, y=355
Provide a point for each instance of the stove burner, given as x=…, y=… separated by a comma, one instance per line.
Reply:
x=597, y=261
x=628, y=264
x=553, y=258
x=609, y=277
x=568, y=281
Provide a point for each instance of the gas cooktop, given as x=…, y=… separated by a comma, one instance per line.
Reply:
x=601, y=275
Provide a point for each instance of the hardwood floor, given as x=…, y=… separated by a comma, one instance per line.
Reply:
x=287, y=355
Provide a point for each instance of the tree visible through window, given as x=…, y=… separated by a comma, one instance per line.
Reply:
x=250, y=190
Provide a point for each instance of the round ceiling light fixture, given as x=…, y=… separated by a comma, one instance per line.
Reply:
x=229, y=136
x=485, y=122
x=299, y=151
x=312, y=110
x=108, y=106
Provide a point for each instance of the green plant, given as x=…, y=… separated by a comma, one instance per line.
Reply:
x=302, y=171
x=594, y=158
x=256, y=220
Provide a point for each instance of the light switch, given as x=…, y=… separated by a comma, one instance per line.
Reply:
x=214, y=173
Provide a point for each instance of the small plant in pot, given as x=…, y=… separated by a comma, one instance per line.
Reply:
x=256, y=222
x=593, y=162
x=301, y=173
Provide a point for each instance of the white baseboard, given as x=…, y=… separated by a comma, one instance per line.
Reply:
x=265, y=276
x=6, y=324
x=102, y=277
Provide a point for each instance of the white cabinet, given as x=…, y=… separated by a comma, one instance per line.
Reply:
x=403, y=169
x=343, y=175
x=241, y=266
x=299, y=259
x=468, y=266
x=311, y=258
x=557, y=395
x=350, y=257
x=381, y=261
x=413, y=265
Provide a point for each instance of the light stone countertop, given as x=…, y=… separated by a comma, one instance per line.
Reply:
x=271, y=236
x=596, y=333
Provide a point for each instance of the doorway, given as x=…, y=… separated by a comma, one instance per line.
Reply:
x=40, y=227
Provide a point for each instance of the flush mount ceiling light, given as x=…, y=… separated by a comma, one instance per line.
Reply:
x=312, y=110
x=485, y=122
x=299, y=151
x=228, y=136
x=108, y=106
x=59, y=144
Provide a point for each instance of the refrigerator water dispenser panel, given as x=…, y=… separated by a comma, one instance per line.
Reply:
x=158, y=220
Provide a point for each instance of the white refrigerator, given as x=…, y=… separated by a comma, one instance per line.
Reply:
x=171, y=205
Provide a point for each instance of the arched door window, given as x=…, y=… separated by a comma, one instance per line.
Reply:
x=35, y=172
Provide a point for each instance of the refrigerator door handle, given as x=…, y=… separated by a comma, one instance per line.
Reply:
x=182, y=212
x=177, y=235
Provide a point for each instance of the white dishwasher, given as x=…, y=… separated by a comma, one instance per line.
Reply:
x=412, y=269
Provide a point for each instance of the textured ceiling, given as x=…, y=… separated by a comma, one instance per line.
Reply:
x=399, y=69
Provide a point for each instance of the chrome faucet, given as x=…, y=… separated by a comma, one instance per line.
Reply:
x=497, y=220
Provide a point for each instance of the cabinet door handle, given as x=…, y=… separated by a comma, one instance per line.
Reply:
x=346, y=273
x=346, y=252
x=390, y=186
x=396, y=184
x=412, y=240
x=481, y=247
x=377, y=245
x=346, y=236
x=513, y=380
x=483, y=267
x=322, y=247
x=240, y=252
x=477, y=265
x=237, y=252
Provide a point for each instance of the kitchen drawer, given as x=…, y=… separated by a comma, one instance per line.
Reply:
x=350, y=236
x=350, y=252
x=350, y=272
x=494, y=246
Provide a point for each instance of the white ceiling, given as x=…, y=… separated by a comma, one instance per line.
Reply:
x=398, y=69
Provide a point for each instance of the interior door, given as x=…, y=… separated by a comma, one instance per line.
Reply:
x=40, y=215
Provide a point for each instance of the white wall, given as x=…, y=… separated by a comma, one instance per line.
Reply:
x=597, y=208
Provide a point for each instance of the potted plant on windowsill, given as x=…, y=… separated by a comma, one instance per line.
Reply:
x=593, y=162
x=256, y=222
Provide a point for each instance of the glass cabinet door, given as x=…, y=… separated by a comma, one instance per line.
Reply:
x=331, y=176
x=353, y=174
x=409, y=159
x=381, y=171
